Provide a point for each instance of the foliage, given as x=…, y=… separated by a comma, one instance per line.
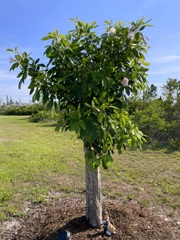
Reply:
x=40, y=116
x=159, y=119
x=89, y=77
x=26, y=109
x=45, y=115
x=150, y=93
x=149, y=115
x=172, y=90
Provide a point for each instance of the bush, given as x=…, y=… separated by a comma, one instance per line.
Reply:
x=149, y=117
x=40, y=116
x=21, y=109
x=174, y=134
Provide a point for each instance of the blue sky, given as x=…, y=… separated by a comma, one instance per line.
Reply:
x=24, y=22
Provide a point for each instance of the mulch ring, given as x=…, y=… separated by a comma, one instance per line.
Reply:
x=131, y=222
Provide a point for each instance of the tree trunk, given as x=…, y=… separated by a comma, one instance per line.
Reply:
x=93, y=196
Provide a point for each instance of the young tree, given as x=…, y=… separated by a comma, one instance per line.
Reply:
x=171, y=89
x=1, y=102
x=88, y=77
x=150, y=93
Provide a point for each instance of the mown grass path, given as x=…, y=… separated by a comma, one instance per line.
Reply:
x=36, y=162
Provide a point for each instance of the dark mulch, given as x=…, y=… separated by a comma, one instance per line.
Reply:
x=131, y=222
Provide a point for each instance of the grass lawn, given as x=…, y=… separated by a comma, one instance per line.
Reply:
x=36, y=161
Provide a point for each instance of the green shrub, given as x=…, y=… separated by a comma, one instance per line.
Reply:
x=21, y=109
x=174, y=134
x=40, y=116
x=149, y=117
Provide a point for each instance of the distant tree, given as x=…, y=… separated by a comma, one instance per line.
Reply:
x=9, y=101
x=171, y=89
x=1, y=102
x=150, y=117
x=88, y=76
x=150, y=93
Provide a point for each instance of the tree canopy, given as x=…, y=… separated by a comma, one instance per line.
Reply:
x=88, y=77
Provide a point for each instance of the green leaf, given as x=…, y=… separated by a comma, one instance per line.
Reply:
x=127, y=91
x=61, y=86
x=36, y=96
x=37, y=61
x=18, y=57
x=142, y=28
x=46, y=38
x=41, y=65
x=50, y=104
x=104, y=162
x=71, y=107
x=110, y=70
x=15, y=65
x=9, y=50
x=100, y=117
x=20, y=83
x=62, y=36
x=31, y=85
x=31, y=91
x=24, y=55
x=98, y=76
x=74, y=126
x=89, y=155
x=20, y=74
x=144, y=69
x=137, y=36
x=81, y=124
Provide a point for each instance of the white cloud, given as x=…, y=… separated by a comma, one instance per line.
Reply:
x=9, y=87
x=15, y=93
x=4, y=61
x=152, y=3
x=166, y=70
x=7, y=76
x=173, y=36
x=165, y=59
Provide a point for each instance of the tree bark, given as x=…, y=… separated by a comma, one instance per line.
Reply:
x=93, y=196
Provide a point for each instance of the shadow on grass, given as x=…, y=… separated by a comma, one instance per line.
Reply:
x=160, y=147
x=49, y=125
x=43, y=123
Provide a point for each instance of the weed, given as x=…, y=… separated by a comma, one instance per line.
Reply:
x=130, y=197
x=145, y=203
x=5, y=195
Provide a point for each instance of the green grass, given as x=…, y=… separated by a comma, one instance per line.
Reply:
x=35, y=160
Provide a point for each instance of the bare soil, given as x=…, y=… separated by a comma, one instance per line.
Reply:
x=44, y=221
